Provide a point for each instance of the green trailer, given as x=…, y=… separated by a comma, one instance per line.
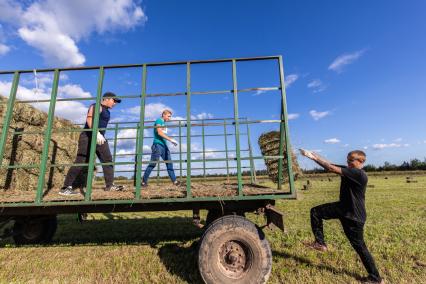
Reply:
x=232, y=248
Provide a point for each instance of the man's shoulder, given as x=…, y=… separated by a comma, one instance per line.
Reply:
x=354, y=173
x=159, y=121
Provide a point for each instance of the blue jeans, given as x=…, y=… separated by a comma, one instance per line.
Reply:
x=158, y=151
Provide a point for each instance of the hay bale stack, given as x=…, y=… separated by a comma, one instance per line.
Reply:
x=270, y=146
x=27, y=148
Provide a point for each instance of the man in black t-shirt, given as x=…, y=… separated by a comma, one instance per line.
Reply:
x=350, y=209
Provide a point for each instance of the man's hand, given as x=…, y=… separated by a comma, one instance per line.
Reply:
x=307, y=154
x=100, y=139
x=174, y=142
x=321, y=161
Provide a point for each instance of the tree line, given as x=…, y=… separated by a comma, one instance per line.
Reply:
x=412, y=165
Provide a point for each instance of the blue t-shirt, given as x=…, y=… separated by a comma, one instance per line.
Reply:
x=157, y=138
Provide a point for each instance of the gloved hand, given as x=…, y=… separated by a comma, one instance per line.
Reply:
x=307, y=153
x=174, y=142
x=100, y=139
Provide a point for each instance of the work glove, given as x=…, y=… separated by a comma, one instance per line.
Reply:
x=307, y=153
x=174, y=142
x=100, y=139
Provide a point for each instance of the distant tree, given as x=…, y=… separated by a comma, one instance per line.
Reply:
x=370, y=168
x=415, y=164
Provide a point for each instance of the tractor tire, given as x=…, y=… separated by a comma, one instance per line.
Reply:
x=34, y=230
x=212, y=215
x=233, y=250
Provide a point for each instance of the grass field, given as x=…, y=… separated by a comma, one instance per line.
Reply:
x=161, y=247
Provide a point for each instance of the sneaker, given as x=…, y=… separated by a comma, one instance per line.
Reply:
x=371, y=280
x=114, y=187
x=67, y=191
x=315, y=245
x=144, y=184
x=177, y=183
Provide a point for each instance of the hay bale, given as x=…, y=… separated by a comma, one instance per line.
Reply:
x=27, y=148
x=269, y=145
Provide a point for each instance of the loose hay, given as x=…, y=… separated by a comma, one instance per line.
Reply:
x=27, y=148
x=153, y=191
x=270, y=146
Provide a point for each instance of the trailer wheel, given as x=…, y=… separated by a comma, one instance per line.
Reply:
x=233, y=250
x=212, y=215
x=34, y=230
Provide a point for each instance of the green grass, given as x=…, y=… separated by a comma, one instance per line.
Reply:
x=161, y=247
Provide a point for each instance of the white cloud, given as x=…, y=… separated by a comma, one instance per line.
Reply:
x=56, y=48
x=332, y=141
x=365, y=147
x=398, y=139
x=314, y=83
x=10, y=12
x=346, y=145
x=72, y=91
x=74, y=111
x=152, y=111
x=202, y=115
x=390, y=145
x=317, y=85
x=259, y=92
x=290, y=79
x=345, y=59
x=54, y=27
x=317, y=115
x=4, y=49
x=293, y=116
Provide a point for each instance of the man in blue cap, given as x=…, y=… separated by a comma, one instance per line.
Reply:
x=109, y=100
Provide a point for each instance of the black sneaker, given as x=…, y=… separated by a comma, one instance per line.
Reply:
x=67, y=191
x=144, y=184
x=177, y=183
x=114, y=187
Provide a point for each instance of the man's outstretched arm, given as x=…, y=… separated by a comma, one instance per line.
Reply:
x=321, y=161
x=164, y=135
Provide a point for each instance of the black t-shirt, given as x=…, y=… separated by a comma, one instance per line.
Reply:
x=352, y=194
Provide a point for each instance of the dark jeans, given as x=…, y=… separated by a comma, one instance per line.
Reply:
x=157, y=152
x=354, y=231
x=83, y=152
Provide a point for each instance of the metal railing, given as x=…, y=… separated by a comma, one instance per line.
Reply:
x=141, y=125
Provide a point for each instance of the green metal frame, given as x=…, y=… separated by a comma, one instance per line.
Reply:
x=140, y=126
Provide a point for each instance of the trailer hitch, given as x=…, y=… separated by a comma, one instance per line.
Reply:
x=273, y=216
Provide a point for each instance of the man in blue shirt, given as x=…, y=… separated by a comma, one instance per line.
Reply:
x=159, y=148
x=109, y=100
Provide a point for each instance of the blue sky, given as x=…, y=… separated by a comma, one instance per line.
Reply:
x=356, y=69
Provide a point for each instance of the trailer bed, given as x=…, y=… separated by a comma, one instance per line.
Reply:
x=153, y=191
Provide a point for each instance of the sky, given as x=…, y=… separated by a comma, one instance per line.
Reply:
x=354, y=70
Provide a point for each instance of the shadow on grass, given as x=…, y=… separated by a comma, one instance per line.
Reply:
x=308, y=262
x=181, y=261
x=151, y=231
